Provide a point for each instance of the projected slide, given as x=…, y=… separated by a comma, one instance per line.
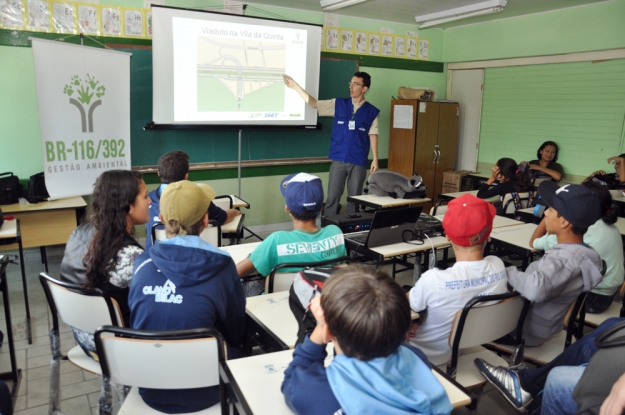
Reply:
x=245, y=74
x=227, y=71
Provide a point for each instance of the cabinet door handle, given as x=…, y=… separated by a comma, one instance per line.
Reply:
x=435, y=154
x=439, y=156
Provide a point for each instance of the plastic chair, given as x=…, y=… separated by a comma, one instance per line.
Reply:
x=439, y=208
x=177, y=359
x=281, y=281
x=546, y=352
x=475, y=325
x=212, y=233
x=615, y=310
x=508, y=202
x=83, y=309
x=223, y=202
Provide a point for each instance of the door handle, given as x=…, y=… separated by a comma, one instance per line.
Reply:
x=439, y=156
x=435, y=155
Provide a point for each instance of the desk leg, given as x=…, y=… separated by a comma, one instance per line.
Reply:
x=44, y=257
x=28, y=328
x=15, y=374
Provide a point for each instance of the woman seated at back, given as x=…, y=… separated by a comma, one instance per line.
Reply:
x=505, y=178
x=546, y=165
x=101, y=253
x=611, y=180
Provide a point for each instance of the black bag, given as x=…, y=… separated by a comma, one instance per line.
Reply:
x=1, y=218
x=37, y=188
x=10, y=189
x=603, y=370
x=307, y=284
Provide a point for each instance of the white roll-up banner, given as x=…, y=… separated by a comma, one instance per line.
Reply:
x=83, y=96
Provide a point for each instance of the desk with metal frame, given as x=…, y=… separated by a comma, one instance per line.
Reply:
x=254, y=383
x=46, y=223
x=15, y=375
x=382, y=254
x=449, y=196
x=11, y=231
x=384, y=202
x=515, y=239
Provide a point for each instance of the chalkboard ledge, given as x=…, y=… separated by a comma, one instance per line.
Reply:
x=244, y=164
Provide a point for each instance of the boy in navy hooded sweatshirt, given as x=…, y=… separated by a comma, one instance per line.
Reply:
x=184, y=282
x=366, y=315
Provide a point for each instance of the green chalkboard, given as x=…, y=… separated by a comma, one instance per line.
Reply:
x=222, y=145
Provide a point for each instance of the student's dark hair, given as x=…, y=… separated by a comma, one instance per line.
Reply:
x=609, y=210
x=510, y=170
x=545, y=144
x=621, y=155
x=114, y=192
x=366, y=310
x=366, y=78
x=305, y=217
x=575, y=229
x=173, y=167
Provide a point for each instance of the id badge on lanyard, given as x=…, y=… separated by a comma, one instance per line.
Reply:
x=352, y=122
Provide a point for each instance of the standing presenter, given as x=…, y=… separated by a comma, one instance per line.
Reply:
x=354, y=131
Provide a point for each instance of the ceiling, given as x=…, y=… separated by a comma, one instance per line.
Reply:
x=404, y=11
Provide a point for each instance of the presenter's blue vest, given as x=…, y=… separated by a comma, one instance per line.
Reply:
x=351, y=146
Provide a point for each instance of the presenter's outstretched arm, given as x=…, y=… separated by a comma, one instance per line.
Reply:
x=290, y=83
x=373, y=138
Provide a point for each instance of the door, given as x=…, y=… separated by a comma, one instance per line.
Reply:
x=467, y=89
x=426, y=152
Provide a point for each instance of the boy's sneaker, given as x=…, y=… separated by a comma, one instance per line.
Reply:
x=507, y=382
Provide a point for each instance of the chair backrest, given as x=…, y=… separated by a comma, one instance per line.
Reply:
x=212, y=233
x=275, y=282
x=224, y=202
x=438, y=209
x=83, y=309
x=539, y=180
x=158, y=232
x=574, y=318
x=475, y=325
x=176, y=359
x=508, y=202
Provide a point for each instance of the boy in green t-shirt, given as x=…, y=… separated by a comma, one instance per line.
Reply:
x=303, y=194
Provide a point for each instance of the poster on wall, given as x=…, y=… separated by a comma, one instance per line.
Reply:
x=347, y=41
x=63, y=17
x=83, y=96
x=424, y=49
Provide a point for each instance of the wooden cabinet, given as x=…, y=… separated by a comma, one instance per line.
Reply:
x=423, y=139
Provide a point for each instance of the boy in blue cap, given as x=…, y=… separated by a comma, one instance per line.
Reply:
x=303, y=194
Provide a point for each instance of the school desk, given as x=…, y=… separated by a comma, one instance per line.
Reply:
x=241, y=251
x=384, y=202
x=233, y=230
x=381, y=254
x=254, y=383
x=15, y=374
x=498, y=221
x=516, y=239
x=450, y=196
x=237, y=202
x=46, y=223
x=10, y=231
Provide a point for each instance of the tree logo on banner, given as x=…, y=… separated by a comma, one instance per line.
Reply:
x=85, y=90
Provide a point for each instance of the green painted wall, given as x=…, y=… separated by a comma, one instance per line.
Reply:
x=21, y=140
x=588, y=28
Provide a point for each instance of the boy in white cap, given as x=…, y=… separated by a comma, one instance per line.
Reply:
x=303, y=194
x=184, y=282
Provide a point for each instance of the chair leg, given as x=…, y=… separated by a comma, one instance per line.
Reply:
x=105, y=403
x=54, y=405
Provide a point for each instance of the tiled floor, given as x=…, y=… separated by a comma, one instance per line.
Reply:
x=79, y=389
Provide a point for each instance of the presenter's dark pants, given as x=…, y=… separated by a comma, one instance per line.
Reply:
x=339, y=172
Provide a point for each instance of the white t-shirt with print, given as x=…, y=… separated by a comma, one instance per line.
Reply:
x=444, y=293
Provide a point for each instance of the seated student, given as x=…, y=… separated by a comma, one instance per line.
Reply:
x=173, y=167
x=505, y=178
x=101, y=253
x=567, y=269
x=606, y=239
x=467, y=223
x=546, y=165
x=611, y=180
x=184, y=282
x=522, y=387
x=366, y=315
x=303, y=194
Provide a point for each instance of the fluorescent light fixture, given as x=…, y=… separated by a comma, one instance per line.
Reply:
x=477, y=9
x=328, y=5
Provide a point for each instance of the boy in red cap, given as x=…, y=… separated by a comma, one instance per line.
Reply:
x=467, y=223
